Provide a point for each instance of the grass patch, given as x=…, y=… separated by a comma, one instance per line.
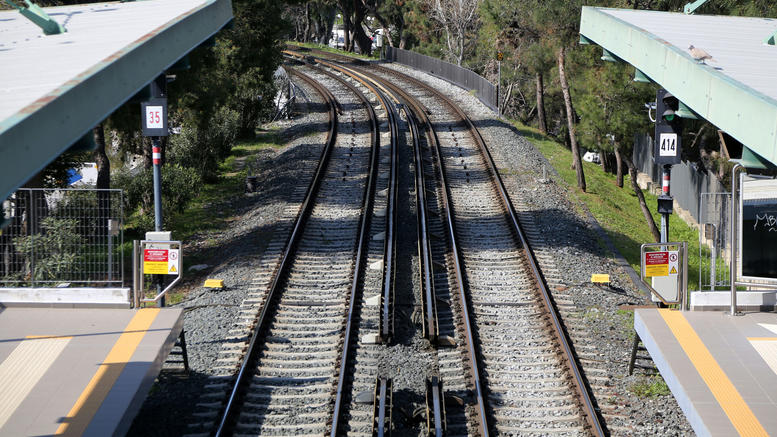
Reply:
x=616, y=209
x=206, y=211
x=326, y=48
x=651, y=387
x=209, y=211
x=625, y=321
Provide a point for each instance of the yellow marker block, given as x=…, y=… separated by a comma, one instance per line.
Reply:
x=214, y=283
x=600, y=278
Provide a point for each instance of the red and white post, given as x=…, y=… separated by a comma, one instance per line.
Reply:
x=666, y=175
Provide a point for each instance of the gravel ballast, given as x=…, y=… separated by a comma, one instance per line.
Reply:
x=570, y=235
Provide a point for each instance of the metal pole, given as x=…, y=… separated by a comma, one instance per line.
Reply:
x=684, y=298
x=666, y=172
x=733, y=227
x=157, y=159
x=32, y=230
x=135, y=273
x=499, y=89
x=110, y=250
x=713, y=256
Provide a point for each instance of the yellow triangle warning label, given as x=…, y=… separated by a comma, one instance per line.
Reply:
x=673, y=271
x=173, y=270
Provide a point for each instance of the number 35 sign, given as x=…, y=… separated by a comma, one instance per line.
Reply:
x=153, y=114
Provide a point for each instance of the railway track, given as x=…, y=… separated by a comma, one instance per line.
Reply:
x=529, y=390
x=504, y=363
x=293, y=363
x=528, y=386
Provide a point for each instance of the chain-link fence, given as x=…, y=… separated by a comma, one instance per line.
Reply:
x=57, y=236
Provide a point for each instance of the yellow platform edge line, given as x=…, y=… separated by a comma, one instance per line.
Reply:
x=90, y=400
x=728, y=397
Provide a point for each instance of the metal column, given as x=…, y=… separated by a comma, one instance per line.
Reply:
x=733, y=228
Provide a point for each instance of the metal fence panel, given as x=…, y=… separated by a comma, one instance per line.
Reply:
x=62, y=235
x=467, y=79
x=687, y=183
x=714, y=237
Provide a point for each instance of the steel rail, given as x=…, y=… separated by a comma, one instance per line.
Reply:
x=460, y=283
x=229, y=415
x=361, y=250
x=389, y=255
x=426, y=271
x=592, y=415
x=436, y=410
x=381, y=421
x=421, y=113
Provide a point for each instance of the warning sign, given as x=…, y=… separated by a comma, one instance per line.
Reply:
x=160, y=261
x=674, y=265
x=656, y=264
x=155, y=261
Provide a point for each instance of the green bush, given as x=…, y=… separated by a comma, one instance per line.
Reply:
x=179, y=186
x=201, y=148
x=57, y=250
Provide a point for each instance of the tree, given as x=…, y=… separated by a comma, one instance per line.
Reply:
x=323, y=14
x=103, y=182
x=391, y=15
x=458, y=20
x=55, y=253
x=641, y=198
x=576, y=162
x=420, y=32
x=510, y=27
x=611, y=109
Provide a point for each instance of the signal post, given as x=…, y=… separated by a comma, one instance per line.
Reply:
x=153, y=113
x=667, y=151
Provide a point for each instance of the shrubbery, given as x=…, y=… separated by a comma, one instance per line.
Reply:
x=57, y=250
x=179, y=185
x=201, y=149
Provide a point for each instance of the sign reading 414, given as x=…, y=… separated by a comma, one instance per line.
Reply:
x=667, y=144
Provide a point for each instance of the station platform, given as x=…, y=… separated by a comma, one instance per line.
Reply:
x=66, y=371
x=722, y=369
